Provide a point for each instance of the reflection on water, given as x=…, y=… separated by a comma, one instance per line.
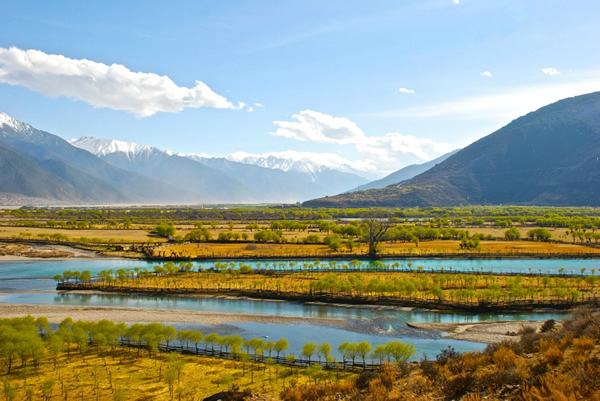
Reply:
x=300, y=333
x=259, y=307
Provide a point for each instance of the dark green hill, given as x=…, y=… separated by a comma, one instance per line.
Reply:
x=547, y=157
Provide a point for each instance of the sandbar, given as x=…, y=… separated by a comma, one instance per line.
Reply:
x=57, y=313
x=488, y=332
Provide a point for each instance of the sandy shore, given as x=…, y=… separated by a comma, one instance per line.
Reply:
x=491, y=332
x=56, y=313
x=74, y=253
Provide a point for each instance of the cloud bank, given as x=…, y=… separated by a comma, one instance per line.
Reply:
x=104, y=86
x=380, y=153
x=313, y=126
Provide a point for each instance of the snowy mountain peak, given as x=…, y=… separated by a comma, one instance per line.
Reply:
x=14, y=124
x=311, y=164
x=103, y=147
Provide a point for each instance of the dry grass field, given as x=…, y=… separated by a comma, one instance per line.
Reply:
x=425, y=248
x=133, y=235
x=125, y=375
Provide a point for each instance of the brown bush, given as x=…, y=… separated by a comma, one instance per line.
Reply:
x=500, y=378
x=430, y=370
x=474, y=360
x=554, y=388
x=504, y=358
x=546, y=343
x=387, y=375
x=583, y=345
x=565, y=342
x=553, y=356
x=378, y=391
x=459, y=385
x=548, y=326
x=588, y=375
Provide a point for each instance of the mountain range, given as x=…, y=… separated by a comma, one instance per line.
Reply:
x=216, y=179
x=547, y=157
x=39, y=168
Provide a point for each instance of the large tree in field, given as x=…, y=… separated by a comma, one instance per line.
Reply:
x=374, y=231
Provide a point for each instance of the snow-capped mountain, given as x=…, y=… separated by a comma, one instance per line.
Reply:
x=223, y=178
x=7, y=121
x=103, y=147
x=307, y=163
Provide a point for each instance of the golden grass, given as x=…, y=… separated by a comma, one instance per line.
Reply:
x=425, y=248
x=133, y=235
x=142, y=378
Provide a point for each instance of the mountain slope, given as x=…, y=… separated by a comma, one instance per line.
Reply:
x=19, y=175
x=403, y=174
x=548, y=157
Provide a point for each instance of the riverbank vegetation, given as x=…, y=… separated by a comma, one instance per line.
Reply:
x=556, y=363
x=353, y=282
x=104, y=360
x=83, y=360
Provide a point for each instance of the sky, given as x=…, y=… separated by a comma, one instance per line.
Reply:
x=374, y=85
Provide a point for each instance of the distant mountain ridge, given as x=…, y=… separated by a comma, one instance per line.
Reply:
x=218, y=179
x=547, y=157
x=312, y=168
x=71, y=175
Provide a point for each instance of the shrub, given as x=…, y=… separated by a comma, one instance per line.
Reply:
x=429, y=369
x=474, y=360
x=583, y=345
x=504, y=358
x=458, y=385
x=498, y=379
x=548, y=326
x=553, y=356
x=447, y=355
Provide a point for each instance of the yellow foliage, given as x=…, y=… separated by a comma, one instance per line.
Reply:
x=553, y=355
x=504, y=358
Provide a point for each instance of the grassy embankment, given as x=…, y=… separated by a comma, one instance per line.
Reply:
x=467, y=291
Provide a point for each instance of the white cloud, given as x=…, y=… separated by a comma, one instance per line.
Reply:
x=486, y=74
x=111, y=86
x=550, y=71
x=258, y=105
x=406, y=90
x=509, y=104
x=393, y=150
x=250, y=109
x=382, y=153
x=456, y=1
x=313, y=126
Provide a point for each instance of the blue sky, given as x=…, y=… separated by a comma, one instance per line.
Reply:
x=378, y=85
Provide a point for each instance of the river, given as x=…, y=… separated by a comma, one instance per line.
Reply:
x=22, y=281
